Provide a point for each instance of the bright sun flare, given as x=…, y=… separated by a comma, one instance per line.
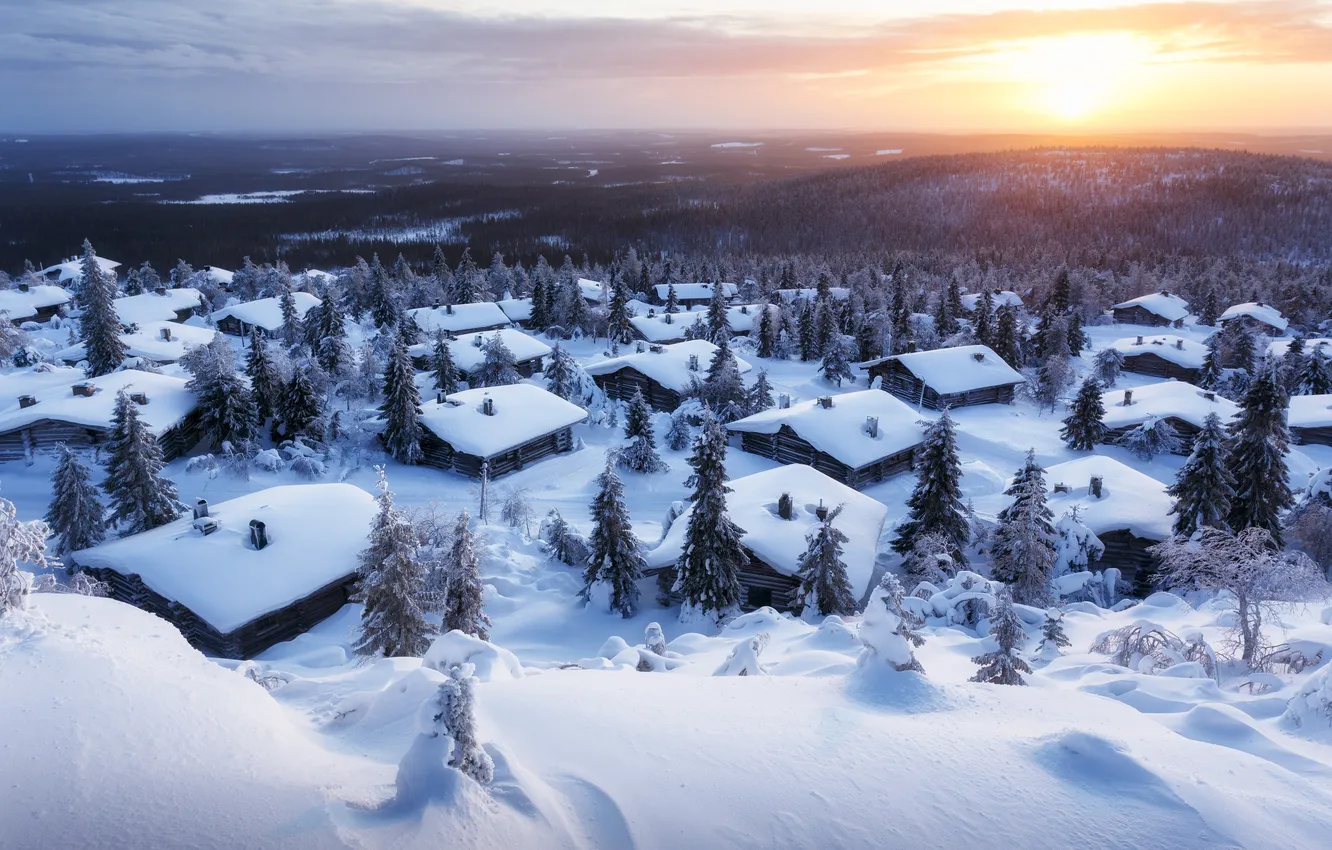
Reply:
x=1074, y=77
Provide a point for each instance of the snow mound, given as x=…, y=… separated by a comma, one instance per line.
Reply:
x=455, y=647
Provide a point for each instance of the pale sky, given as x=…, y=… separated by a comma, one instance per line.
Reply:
x=942, y=65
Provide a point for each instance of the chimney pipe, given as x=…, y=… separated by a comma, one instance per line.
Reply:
x=785, y=506
x=200, y=508
x=161, y=290
x=1095, y=487
x=978, y=356
x=1128, y=398
x=139, y=398
x=258, y=534
x=872, y=426
x=693, y=362
x=26, y=401
x=783, y=401
x=85, y=390
x=166, y=334
x=821, y=512
x=826, y=402
x=488, y=406
x=23, y=286
x=1179, y=344
x=1139, y=342
x=1209, y=395
x=1061, y=488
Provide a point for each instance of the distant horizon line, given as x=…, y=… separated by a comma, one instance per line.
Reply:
x=10, y=136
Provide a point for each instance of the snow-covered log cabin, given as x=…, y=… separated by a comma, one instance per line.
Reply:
x=247, y=573
x=775, y=541
x=1162, y=356
x=1157, y=309
x=858, y=438
x=79, y=414
x=29, y=303
x=71, y=270
x=693, y=294
x=669, y=328
x=157, y=342
x=160, y=305
x=947, y=377
x=1181, y=404
x=1000, y=297
x=1256, y=317
x=265, y=313
x=1310, y=419
x=1127, y=510
x=455, y=319
x=468, y=352
x=505, y=428
x=791, y=296
x=664, y=373
x=517, y=310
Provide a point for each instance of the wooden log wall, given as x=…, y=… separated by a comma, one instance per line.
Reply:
x=786, y=446
x=1149, y=363
x=1129, y=555
x=1318, y=436
x=440, y=454
x=1188, y=433
x=1139, y=315
x=622, y=384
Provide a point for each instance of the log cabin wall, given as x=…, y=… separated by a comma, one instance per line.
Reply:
x=441, y=455
x=623, y=383
x=1140, y=315
x=1188, y=433
x=1149, y=363
x=899, y=381
x=1321, y=436
x=1129, y=555
x=786, y=446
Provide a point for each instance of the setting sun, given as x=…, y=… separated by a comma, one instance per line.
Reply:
x=1076, y=76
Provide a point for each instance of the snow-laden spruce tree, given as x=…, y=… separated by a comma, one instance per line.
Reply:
x=615, y=564
x=824, y=586
x=299, y=407
x=837, y=357
x=227, y=409
x=1259, y=442
x=767, y=333
x=1084, y=426
x=563, y=541
x=806, y=332
x=1204, y=485
x=1055, y=372
x=20, y=542
x=265, y=381
x=641, y=454
x=1106, y=367
x=292, y=331
x=455, y=718
x=466, y=279
x=442, y=366
x=888, y=630
x=724, y=389
x=1243, y=348
x=392, y=584
x=1004, y=665
x=717, y=314
x=75, y=515
x=1053, y=638
x=464, y=603
x=708, y=572
x=678, y=436
x=982, y=319
x=1155, y=436
x=140, y=498
x=561, y=374
x=379, y=296
x=401, y=410
x=1211, y=376
x=936, y=504
x=672, y=299
x=326, y=332
x=759, y=398
x=1315, y=378
x=1023, y=544
x=1008, y=336
x=99, y=326
x=618, y=326
x=498, y=368
x=1250, y=568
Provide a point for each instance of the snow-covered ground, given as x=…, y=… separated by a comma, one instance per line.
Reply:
x=127, y=737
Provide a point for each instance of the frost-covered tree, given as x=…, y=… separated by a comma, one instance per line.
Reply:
x=672, y=300
x=1204, y=486
x=1108, y=364
x=1008, y=336
x=292, y=331
x=442, y=366
x=401, y=410
x=464, y=604
x=1315, y=378
x=466, y=279
x=140, y=498
x=1211, y=310
x=717, y=314
x=20, y=542
x=1053, y=637
x=99, y=326
x=392, y=584
x=1084, y=426
x=326, y=332
x=708, y=571
x=1243, y=349
x=824, y=586
x=379, y=296
x=1023, y=544
x=615, y=563
x=455, y=718
x=807, y=333
x=1211, y=375
x=265, y=382
x=888, y=630
x=724, y=389
x=825, y=324
x=1055, y=372
x=1259, y=442
x=1003, y=666
x=641, y=454
x=1249, y=567
x=618, y=326
x=982, y=319
x=75, y=514
x=564, y=543
x=228, y=412
x=498, y=368
x=678, y=435
x=1156, y=436
x=767, y=333
x=561, y=377
x=837, y=357
x=299, y=407
x=759, y=397
x=936, y=505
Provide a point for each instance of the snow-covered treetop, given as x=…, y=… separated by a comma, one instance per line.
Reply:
x=266, y=312
x=842, y=430
x=168, y=402
x=1175, y=349
x=1001, y=298
x=790, y=296
x=314, y=533
x=459, y=318
x=956, y=370
x=1177, y=399
x=522, y=412
x=1265, y=313
x=668, y=366
x=1167, y=305
x=778, y=542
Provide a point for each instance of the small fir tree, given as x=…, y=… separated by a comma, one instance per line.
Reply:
x=724, y=389
x=836, y=366
x=442, y=366
x=1315, y=377
x=618, y=327
x=1211, y=310
x=767, y=333
x=1022, y=546
x=717, y=314
x=1211, y=376
x=1204, y=486
x=456, y=719
x=1055, y=372
x=1243, y=349
x=807, y=333
x=708, y=571
x=140, y=498
x=392, y=584
x=824, y=586
x=291, y=317
x=75, y=516
x=1259, y=442
x=678, y=435
x=265, y=382
x=1008, y=336
x=1154, y=437
x=616, y=559
x=1053, y=637
x=299, y=409
x=401, y=410
x=561, y=375
x=672, y=300
x=99, y=326
x=498, y=368
x=641, y=454
x=759, y=397
x=1003, y=666
x=1108, y=364
x=936, y=505
x=464, y=604
x=982, y=320
x=1084, y=426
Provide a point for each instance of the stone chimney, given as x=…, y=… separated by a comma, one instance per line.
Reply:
x=1128, y=398
x=139, y=398
x=1095, y=487
x=165, y=334
x=872, y=426
x=488, y=406
x=785, y=506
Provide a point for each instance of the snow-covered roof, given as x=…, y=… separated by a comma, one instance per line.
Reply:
x=1129, y=499
x=1175, y=349
x=516, y=309
x=779, y=543
x=1310, y=411
x=523, y=412
x=72, y=269
x=655, y=328
x=1265, y=313
x=221, y=275
x=837, y=293
x=1167, y=305
x=168, y=402
x=315, y=532
x=956, y=370
x=18, y=305
x=317, y=275
x=460, y=318
x=593, y=290
x=36, y=381
x=147, y=342
x=695, y=291
x=668, y=366
x=1177, y=399
x=1001, y=298
x=840, y=430
x=152, y=307
x=468, y=353
x=266, y=312
x=1279, y=347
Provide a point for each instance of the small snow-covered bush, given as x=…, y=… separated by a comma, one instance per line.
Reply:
x=744, y=659
x=888, y=629
x=965, y=600
x=489, y=662
x=268, y=460
x=309, y=468
x=1148, y=647
x=1310, y=710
